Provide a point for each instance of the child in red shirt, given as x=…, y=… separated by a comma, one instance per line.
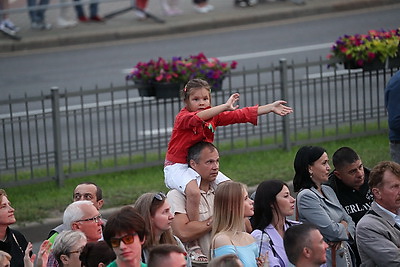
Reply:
x=197, y=122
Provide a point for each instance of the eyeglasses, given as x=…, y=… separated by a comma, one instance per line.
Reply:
x=160, y=196
x=96, y=219
x=127, y=239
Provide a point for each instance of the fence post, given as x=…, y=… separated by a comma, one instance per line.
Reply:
x=55, y=111
x=285, y=94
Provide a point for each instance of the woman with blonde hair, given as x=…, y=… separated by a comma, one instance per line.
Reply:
x=231, y=206
x=156, y=212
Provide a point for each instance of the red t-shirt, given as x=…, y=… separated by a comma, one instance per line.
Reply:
x=189, y=129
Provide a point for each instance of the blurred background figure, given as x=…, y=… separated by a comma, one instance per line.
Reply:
x=6, y=25
x=37, y=17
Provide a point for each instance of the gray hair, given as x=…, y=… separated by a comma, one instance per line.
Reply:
x=74, y=213
x=64, y=243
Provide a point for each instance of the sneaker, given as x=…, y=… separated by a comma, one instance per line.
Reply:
x=210, y=7
x=63, y=23
x=252, y=2
x=6, y=30
x=96, y=19
x=141, y=15
x=83, y=19
x=202, y=9
x=9, y=24
x=41, y=26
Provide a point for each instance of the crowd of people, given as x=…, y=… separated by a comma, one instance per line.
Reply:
x=347, y=216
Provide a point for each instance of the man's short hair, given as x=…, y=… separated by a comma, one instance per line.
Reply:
x=296, y=238
x=195, y=150
x=376, y=175
x=160, y=253
x=74, y=213
x=344, y=156
x=126, y=220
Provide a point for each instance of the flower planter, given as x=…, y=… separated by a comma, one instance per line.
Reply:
x=145, y=88
x=166, y=90
x=216, y=84
x=375, y=64
x=351, y=64
x=394, y=62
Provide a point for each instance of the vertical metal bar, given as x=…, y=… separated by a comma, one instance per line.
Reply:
x=284, y=92
x=14, y=149
x=83, y=130
x=98, y=130
x=28, y=130
x=46, y=148
x=114, y=138
x=67, y=130
x=59, y=172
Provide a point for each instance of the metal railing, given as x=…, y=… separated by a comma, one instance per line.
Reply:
x=71, y=134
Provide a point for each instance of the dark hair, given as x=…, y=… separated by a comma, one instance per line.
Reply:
x=343, y=157
x=305, y=157
x=296, y=238
x=160, y=253
x=195, y=151
x=99, y=192
x=264, y=200
x=193, y=85
x=126, y=220
x=376, y=175
x=96, y=252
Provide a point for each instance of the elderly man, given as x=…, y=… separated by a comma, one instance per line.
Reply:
x=203, y=157
x=305, y=246
x=378, y=232
x=81, y=216
x=83, y=191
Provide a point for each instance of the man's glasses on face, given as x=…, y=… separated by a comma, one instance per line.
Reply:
x=96, y=219
x=127, y=239
x=86, y=196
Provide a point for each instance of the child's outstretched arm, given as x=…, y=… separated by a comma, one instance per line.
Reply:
x=277, y=107
x=228, y=106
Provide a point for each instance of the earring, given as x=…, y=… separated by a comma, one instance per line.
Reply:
x=311, y=175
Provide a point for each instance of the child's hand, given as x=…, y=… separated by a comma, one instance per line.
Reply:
x=230, y=104
x=279, y=108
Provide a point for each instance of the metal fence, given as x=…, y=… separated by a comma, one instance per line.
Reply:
x=71, y=134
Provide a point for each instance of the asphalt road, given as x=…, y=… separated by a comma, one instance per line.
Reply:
x=87, y=66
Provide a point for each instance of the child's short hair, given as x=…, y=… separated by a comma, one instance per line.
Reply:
x=193, y=85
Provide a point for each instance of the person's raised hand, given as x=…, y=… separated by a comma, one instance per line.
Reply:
x=230, y=104
x=43, y=254
x=279, y=108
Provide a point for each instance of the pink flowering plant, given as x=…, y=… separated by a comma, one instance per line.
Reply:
x=362, y=48
x=181, y=70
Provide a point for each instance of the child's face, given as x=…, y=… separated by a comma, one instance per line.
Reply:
x=199, y=99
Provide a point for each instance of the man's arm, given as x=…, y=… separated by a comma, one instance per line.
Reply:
x=189, y=230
